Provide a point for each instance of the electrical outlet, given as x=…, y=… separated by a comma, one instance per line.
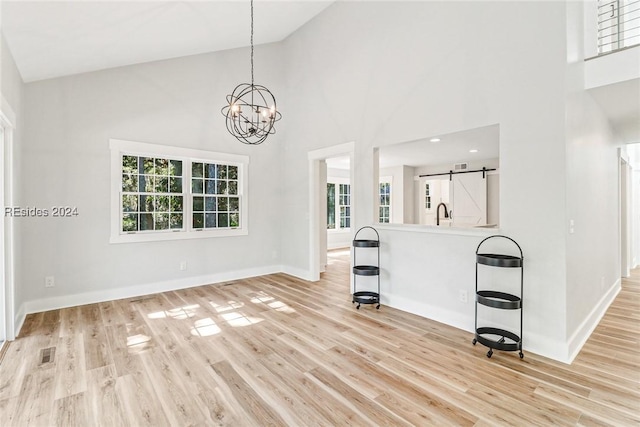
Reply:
x=183, y=265
x=49, y=282
x=462, y=296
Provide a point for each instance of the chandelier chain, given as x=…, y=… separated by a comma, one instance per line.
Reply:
x=251, y=109
x=251, y=42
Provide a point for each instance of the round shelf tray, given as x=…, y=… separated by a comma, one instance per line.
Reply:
x=498, y=300
x=508, y=342
x=498, y=260
x=365, y=297
x=366, y=270
x=366, y=243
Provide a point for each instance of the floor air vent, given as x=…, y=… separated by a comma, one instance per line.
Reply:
x=47, y=355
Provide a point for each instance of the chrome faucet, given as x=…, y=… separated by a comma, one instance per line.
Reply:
x=446, y=213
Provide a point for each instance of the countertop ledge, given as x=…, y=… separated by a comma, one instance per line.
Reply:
x=459, y=231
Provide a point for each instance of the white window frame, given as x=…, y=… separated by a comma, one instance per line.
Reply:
x=120, y=147
x=386, y=180
x=337, y=181
x=428, y=196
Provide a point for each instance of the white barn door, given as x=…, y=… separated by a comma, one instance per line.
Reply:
x=469, y=199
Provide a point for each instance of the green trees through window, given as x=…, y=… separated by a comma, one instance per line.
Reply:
x=338, y=206
x=154, y=194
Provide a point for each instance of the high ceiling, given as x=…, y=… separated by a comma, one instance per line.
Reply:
x=55, y=38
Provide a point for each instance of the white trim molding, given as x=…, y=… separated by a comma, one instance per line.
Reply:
x=55, y=303
x=8, y=122
x=119, y=147
x=589, y=324
x=315, y=156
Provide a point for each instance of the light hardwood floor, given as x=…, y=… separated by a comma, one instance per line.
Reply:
x=276, y=350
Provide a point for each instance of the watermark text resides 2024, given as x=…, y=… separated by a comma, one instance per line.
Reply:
x=34, y=212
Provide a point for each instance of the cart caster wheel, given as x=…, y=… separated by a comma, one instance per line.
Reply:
x=358, y=307
x=521, y=355
x=353, y=302
x=378, y=307
x=474, y=341
x=489, y=353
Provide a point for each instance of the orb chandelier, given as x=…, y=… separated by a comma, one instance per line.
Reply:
x=251, y=111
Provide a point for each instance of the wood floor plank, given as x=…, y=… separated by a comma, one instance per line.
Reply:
x=36, y=399
x=71, y=411
x=102, y=398
x=251, y=402
x=139, y=401
x=96, y=345
x=365, y=405
x=70, y=372
x=277, y=350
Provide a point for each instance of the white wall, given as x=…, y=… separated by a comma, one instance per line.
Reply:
x=66, y=162
x=593, y=263
x=12, y=90
x=414, y=76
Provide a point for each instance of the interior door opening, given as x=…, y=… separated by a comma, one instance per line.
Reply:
x=331, y=189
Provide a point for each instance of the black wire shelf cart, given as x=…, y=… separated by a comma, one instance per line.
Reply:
x=366, y=297
x=507, y=341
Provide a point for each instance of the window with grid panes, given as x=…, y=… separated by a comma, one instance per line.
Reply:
x=166, y=193
x=385, y=202
x=216, y=203
x=427, y=196
x=331, y=206
x=152, y=194
x=344, y=198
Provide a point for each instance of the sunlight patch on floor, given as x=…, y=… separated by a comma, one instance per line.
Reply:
x=205, y=328
x=237, y=318
x=179, y=313
x=136, y=340
x=231, y=305
x=264, y=298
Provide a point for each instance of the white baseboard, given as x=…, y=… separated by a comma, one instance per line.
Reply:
x=54, y=303
x=296, y=272
x=21, y=314
x=582, y=334
x=433, y=312
x=544, y=346
x=540, y=345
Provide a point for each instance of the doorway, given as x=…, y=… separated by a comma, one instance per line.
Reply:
x=319, y=203
x=629, y=208
x=3, y=290
x=7, y=328
x=337, y=201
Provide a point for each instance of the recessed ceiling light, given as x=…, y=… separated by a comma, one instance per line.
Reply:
x=434, y=140
x=473, y=151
